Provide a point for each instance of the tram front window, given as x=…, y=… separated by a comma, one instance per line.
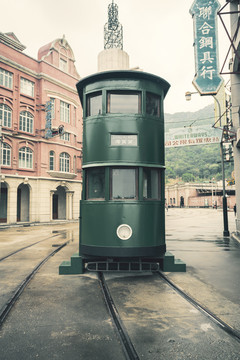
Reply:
x=152, y=104
x=94, y=104
x=123, y=184
x=151, y=184
x=96, y=184
x=124, y=102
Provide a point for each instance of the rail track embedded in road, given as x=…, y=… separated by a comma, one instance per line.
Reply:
x=219, y=322
x=27, y=246
x=128, y=347
x=10, y=303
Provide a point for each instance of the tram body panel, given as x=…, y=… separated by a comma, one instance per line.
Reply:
x=99, y=147
x=122, y=214
x=102, y=220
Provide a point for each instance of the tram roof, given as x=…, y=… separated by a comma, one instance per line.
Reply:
x=121, y=74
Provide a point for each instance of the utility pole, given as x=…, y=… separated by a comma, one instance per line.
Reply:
x=224, y=198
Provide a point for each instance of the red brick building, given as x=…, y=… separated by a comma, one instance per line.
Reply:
x=40, y=174
x=199, y=195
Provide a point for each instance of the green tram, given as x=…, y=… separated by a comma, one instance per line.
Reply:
x=122, y=211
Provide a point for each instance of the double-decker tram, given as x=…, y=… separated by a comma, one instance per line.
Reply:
x=122, y=211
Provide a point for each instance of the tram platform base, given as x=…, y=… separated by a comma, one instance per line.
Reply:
x=80, y=264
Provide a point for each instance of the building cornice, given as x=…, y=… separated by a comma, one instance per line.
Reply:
x=35, y=140
x=3, y=177
x=39, y=76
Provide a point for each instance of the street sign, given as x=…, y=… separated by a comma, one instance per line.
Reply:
x=207, y=79
x=48, y=125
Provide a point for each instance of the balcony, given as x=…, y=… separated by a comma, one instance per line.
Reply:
x=62, y=175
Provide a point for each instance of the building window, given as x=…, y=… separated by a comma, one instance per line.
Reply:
x=65, y=136
x=127, y=102
x=95, y=183
x=6, y=154
x=64, y=112
x=27, y=87
x=123, y=184
x=151, y=184
x=63, y=65
x=6, y=78
x=52, y=160
x=94, y=104
x=26, y=122
x=5, y=115
x=64, y=162
x=152, y=104
x=25, y=158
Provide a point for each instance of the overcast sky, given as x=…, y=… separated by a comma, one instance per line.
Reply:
x=157, y=35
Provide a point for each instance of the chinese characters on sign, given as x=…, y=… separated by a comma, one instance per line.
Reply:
x=124, y=140
x=48, y=126
x=196, y=135
x=207, y=79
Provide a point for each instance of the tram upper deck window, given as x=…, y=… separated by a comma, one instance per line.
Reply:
x=123, y=184
x=95, y=184
x=152, y=104
x=124, y=102
x=94, y=104
x=151, y=184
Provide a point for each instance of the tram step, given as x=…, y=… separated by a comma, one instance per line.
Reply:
x=73, y=267
x=170, y=264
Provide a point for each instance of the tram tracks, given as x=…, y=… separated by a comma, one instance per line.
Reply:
x=127, y=343
x=28, y=246
x=203, y=309
x=128, y=347
x=5, y=310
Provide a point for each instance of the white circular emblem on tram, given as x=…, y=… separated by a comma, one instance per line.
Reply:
x=124, y=232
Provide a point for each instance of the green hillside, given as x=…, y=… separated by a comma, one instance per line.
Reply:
x=194, y=163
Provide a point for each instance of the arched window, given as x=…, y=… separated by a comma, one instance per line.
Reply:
x=5, y=115
x=25, y=158
x=26, y=121
x=51, y=160
x=6, y=154
x=64, y=162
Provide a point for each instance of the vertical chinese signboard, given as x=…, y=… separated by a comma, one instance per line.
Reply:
x=48, y=126
x=207, y=79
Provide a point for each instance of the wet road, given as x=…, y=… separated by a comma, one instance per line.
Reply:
x=196, y=236
x=213, y=261
x=61, y=317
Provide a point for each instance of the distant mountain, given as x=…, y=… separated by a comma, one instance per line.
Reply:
x=203, y=116
x=194, y=163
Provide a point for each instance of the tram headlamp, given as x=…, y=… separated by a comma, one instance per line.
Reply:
x=124, y=232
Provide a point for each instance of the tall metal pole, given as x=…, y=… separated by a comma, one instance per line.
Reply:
x=224, y=199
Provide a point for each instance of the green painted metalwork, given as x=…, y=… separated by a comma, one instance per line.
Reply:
x=123, y=200
x=113, y=31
